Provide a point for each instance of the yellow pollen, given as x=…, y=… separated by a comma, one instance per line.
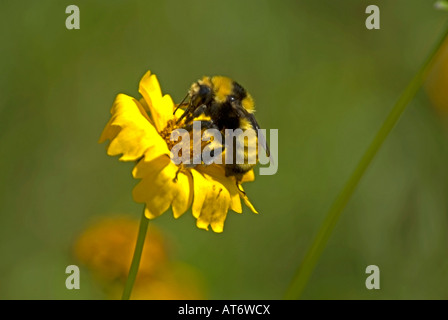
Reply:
x=173, y=125
x=166, y=132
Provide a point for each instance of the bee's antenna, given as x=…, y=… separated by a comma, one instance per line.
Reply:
x=181, y=103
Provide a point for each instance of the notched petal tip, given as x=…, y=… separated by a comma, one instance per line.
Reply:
x=217, y=173
x=202, y=224
x=109, y=132
x=159, y=189
x=217, y=227
x=211, y=202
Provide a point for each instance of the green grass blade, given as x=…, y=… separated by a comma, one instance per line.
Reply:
x=309, y=262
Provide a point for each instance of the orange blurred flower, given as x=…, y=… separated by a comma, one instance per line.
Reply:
x=437, y=83
x=106, y=248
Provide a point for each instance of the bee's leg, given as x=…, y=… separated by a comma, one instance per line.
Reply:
x=177, y=173
x=205, y=124
x=238, y=185
x=199, y=110
x=196, y=113
x=186, y=113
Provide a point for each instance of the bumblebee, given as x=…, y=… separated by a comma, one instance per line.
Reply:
x=220, y=103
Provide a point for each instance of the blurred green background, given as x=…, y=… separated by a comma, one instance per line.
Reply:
x=317, y=74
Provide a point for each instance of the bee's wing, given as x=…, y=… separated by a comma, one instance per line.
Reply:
x=243, y=112
x=260, y=135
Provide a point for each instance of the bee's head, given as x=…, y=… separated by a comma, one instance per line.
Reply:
x=201, y=92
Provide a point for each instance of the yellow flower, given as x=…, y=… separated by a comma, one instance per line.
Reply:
x=106, y=247
x=140, y=131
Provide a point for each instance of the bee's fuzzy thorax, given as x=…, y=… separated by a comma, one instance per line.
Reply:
x=222, y=88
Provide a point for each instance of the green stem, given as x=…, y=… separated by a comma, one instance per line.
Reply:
x=309, y=262
x=136, y=258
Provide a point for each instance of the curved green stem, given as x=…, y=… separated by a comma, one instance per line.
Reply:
x=136, y=258
x=314, y=252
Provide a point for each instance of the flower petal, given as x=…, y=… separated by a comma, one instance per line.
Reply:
x=246, y=199
x=146, y=108
x=159, y=189
x=210, y=203
x=109, y=132
x=248, y=176
x=161, y=107
x=216, y=172
x=130, y=131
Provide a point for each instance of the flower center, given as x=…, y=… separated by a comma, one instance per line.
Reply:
x=166, y=132
x=172, y=126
